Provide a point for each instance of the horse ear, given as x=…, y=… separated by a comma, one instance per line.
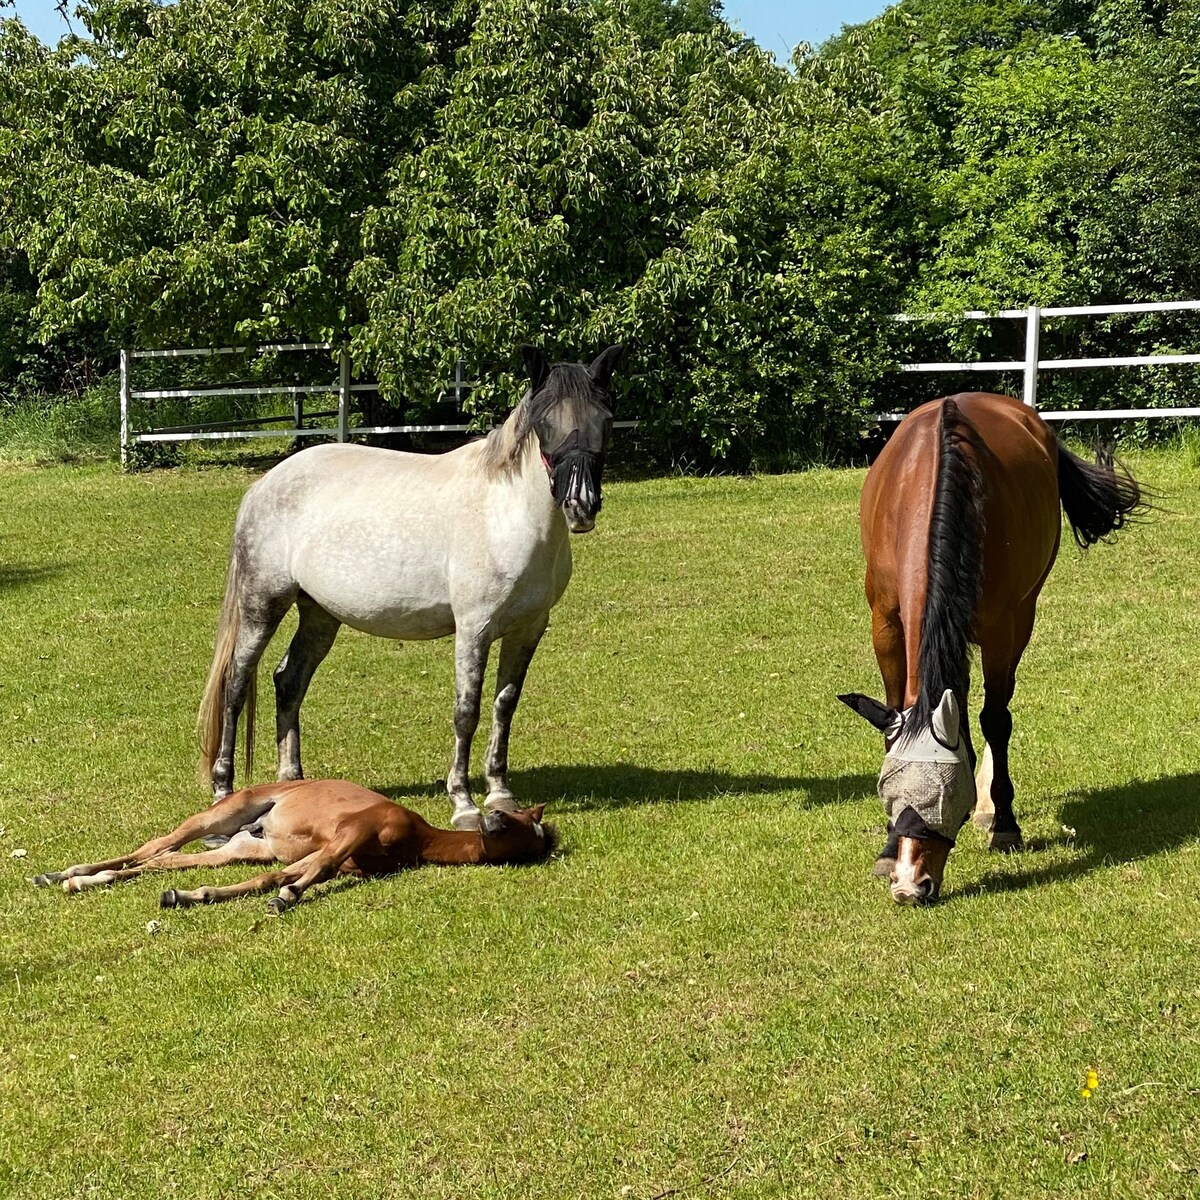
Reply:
x=883, y=718
x=947, y=721
x=536, y=366
x=604, y=364
x=535, y=813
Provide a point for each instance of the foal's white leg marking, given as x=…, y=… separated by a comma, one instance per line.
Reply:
x=81, y=883
x=985, y=810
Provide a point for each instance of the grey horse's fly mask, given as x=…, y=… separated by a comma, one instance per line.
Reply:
x=572, y=421
x=925, y=770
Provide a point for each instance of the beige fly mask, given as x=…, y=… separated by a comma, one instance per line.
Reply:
x=929, y=772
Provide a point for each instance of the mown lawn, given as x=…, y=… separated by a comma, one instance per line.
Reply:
x=706, y=995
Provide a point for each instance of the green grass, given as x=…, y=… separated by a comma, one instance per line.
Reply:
x=706, y=995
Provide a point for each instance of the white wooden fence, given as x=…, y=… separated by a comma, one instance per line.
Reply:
x=1033, y=362
x=342, y=388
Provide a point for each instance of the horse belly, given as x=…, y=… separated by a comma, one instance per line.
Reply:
x=397, y=602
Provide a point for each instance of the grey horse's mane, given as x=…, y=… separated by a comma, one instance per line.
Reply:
x=504, y=447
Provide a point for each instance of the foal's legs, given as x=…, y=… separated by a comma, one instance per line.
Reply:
x=259, y=620
x=292, y=880
x=243, y=847
x=1000, y=652
x=312, y=642
x=470, y=663
x=516, y=653
x=225, y=818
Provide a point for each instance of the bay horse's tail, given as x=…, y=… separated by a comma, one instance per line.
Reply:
x=1098, y=499
x=211, y=719
x=954, y=581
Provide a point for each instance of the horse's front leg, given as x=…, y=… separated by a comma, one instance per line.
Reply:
x=470, y=663
x=516, y=653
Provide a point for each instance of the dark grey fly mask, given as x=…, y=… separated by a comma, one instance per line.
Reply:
x=569, y=414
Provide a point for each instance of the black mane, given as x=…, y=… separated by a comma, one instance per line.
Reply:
x=955, y=575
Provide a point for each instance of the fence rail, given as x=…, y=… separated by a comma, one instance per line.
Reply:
x=343, y=389
x=1032, y=363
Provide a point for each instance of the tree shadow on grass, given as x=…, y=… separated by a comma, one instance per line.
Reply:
x=1112, y=825
x=579, y=787
x=15, y=575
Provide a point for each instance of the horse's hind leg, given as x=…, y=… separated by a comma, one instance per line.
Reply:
x=259, y=620
x=313, y=640
x=516, y=653
x=470, y=663
x=1000, y=653
x=243, y=847
x=224, y=819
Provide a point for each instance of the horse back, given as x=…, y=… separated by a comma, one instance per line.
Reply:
x=1015, y=453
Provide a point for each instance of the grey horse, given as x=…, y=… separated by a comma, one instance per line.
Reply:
x=472, y=543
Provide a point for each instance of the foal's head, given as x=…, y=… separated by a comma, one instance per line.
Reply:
x=927, y=791
x=568, y=411
x=517, y=837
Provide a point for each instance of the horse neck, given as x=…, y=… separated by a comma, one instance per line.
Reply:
x=513, y=461
x=451, y=847
x=954, y=575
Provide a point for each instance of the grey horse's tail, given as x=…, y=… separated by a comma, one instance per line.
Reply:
x=211, y=718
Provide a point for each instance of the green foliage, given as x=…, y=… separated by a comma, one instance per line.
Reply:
x=436, y=180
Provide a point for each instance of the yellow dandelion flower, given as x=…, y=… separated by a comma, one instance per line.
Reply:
x=1085, y=1092
x=1093, y=1081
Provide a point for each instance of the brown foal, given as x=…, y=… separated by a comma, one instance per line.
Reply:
x=318, y=828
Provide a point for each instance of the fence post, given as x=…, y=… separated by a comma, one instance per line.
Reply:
x=125, y=409
x=343, y=426
x=1033, y=341
x=460, y=377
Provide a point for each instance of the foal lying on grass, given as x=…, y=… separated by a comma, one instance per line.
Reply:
x=319, y=828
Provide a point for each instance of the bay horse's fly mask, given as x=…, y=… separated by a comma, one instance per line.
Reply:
x=926, y=773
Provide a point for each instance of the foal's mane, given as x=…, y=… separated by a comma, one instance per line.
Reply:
x=954, y=580
x=567, y=383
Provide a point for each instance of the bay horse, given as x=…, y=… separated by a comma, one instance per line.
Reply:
x=960, y=525
x=473, y=542
x=319, y=828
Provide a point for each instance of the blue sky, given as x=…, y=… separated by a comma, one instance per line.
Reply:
x=775, y=24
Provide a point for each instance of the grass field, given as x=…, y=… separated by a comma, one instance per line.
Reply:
x=706, y=994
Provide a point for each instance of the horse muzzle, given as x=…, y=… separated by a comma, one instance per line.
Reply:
x=919, y=870
x=575, y=484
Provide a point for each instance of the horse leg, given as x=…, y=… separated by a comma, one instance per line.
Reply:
x=243, y=847
x=470, y=663
x=994, y=787
x=267, y=882
x=292, y=880
x=312, y=642
x=516, y=653
x=254, y=632
x=887, y=636
x=222, y=819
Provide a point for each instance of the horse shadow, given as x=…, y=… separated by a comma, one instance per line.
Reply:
x=1113, y=825
x=14, y=575
x=581, y=787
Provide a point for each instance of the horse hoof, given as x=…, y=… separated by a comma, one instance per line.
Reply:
x=469, y=819
x=169, y=899
x=49, y=879
x=883, y=867
x=983, y=820
x=1006, y=842
x=504, y=802
x=214, y=841
x=276, y=907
